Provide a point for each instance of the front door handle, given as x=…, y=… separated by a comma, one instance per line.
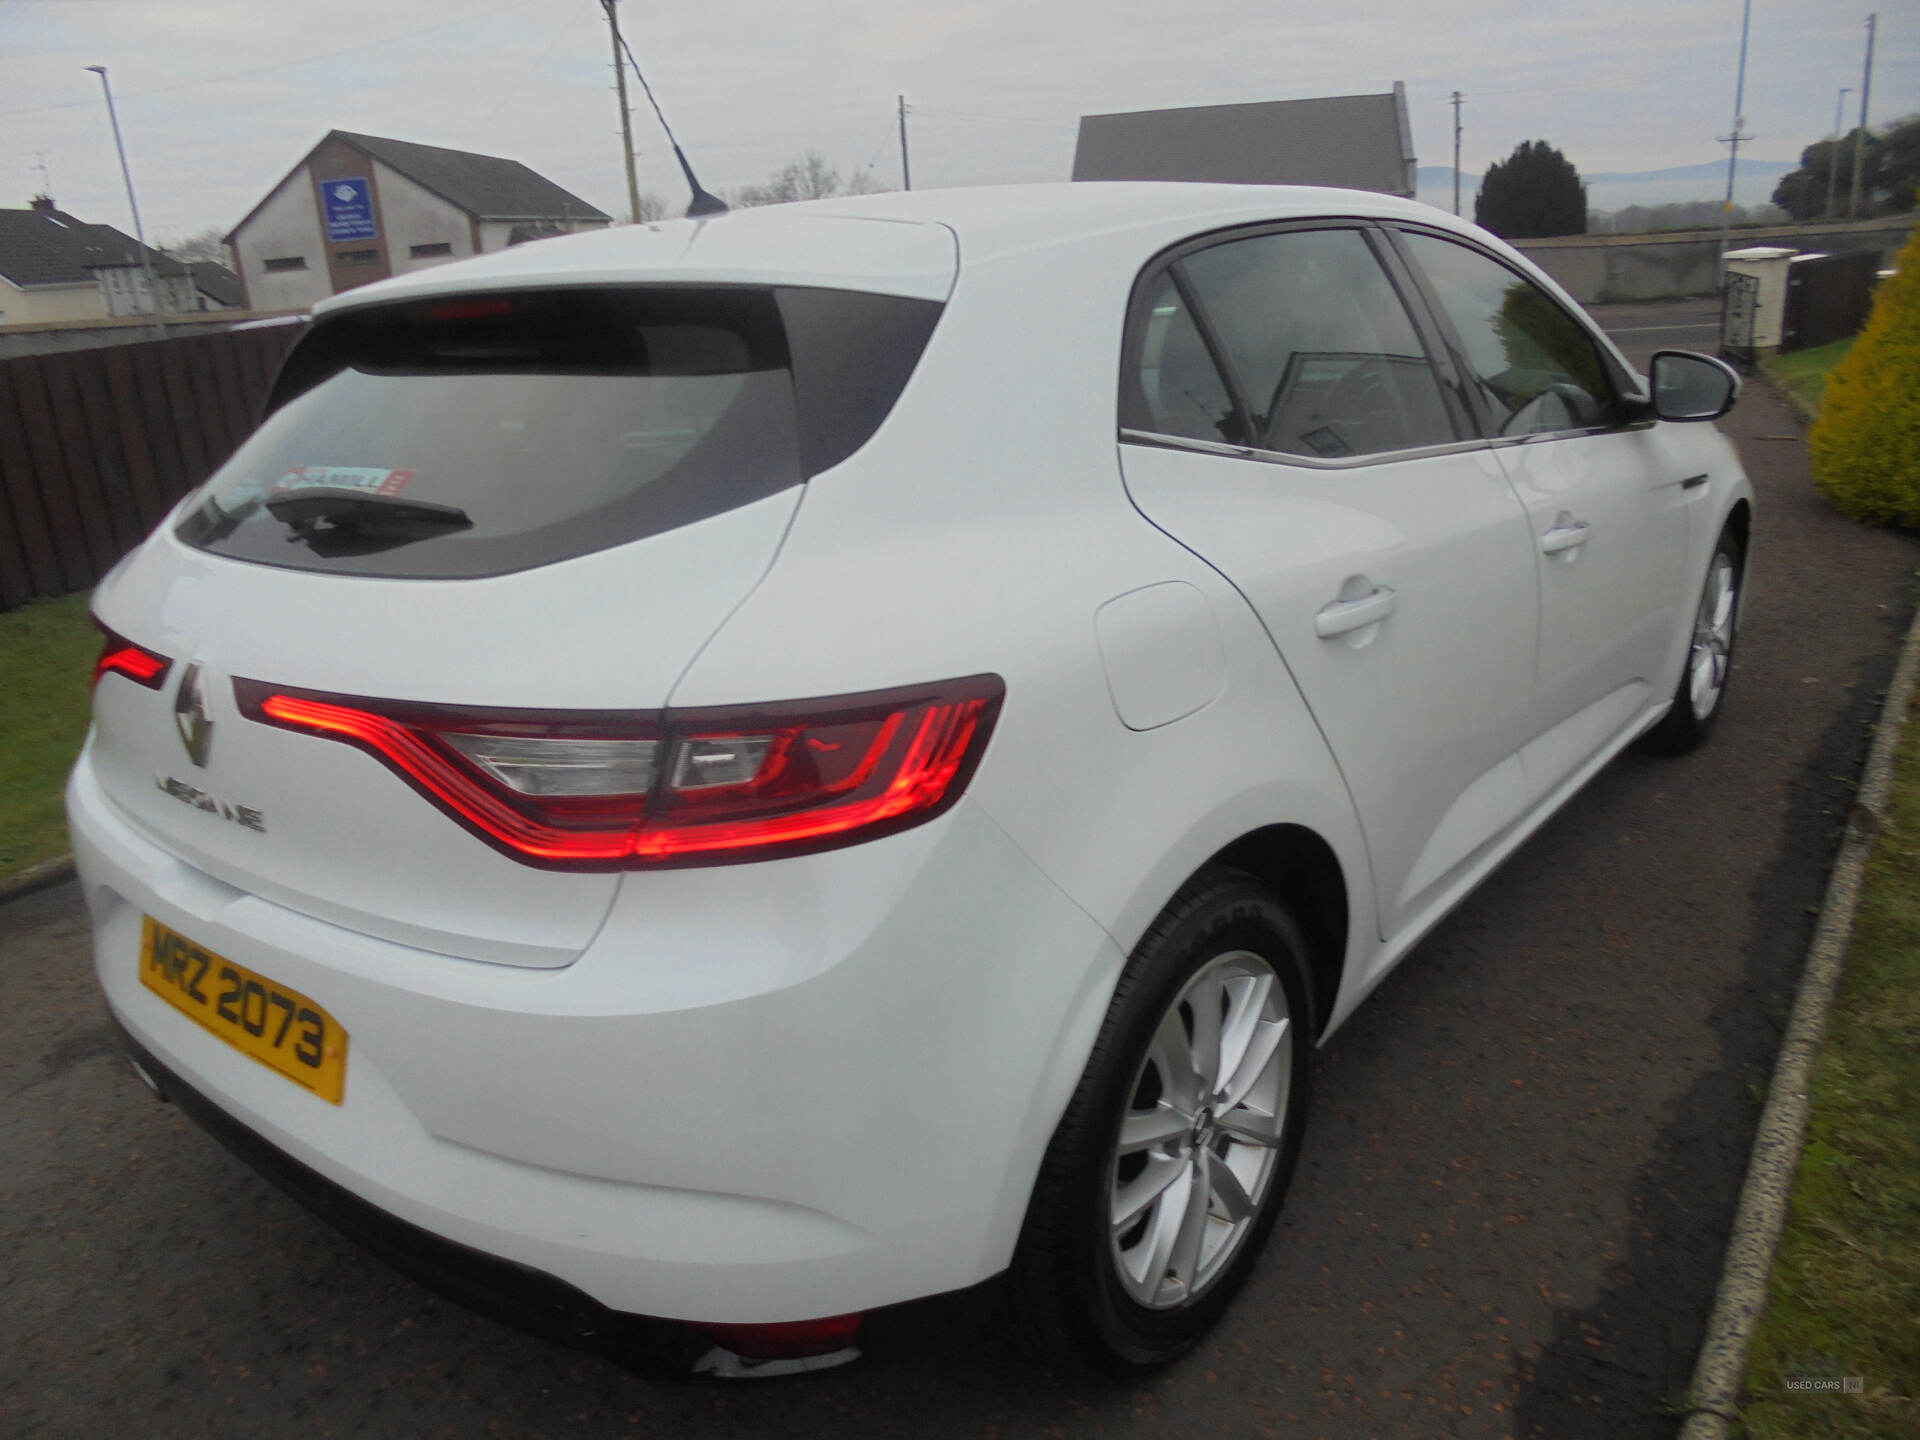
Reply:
x=1567, y=534
x=1338, y=617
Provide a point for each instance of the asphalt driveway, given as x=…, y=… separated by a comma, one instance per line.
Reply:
x=1508, y=1220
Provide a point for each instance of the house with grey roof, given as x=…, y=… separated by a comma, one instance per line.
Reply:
x=1357, y=142
x=217, y=286
x=358, y=208
x=57, y=268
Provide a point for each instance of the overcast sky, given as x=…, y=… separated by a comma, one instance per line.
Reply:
x=220, y=98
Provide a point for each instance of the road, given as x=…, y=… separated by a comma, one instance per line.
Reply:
x=1645, y=326
x=1508, y=1220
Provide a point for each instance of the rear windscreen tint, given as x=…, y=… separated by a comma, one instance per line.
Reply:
x=497, y=433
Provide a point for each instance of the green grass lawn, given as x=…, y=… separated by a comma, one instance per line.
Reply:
x=47, y=652
x=1845, y=1294
x=1803, y=373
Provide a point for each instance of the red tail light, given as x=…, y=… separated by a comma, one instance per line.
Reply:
x=607, y=791
x=120, y=656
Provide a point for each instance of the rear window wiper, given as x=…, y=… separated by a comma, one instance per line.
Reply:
x=343, y=508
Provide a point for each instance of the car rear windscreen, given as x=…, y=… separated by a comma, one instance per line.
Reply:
x=478, y=435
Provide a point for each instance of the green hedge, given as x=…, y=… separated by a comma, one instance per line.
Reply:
x=1865, y=447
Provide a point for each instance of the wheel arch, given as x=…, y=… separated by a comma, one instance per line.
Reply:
x=1740, y=522
x=1303, y=871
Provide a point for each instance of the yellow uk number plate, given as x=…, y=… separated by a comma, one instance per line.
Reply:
x=279, y=1027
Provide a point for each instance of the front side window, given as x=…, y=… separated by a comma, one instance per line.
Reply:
x=1534, y=367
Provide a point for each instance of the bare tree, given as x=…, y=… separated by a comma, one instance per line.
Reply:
x=810, y=177
x=653, y=206
x=208, y=244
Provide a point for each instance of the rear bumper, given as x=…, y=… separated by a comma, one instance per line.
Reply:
x=516, y=1294
x=764, y=1093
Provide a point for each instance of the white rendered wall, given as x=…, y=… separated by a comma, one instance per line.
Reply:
x=128, y=293
x=413, y=215
x=288, y=223
x=48, y=304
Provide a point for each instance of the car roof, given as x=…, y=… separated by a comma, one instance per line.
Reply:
x=900, y=243
x=994, y=219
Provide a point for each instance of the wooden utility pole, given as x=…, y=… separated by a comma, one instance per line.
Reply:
x=1860, y=135
x=1456, y=152
x=626, y=115
x=1833, y=150
x=906, y=175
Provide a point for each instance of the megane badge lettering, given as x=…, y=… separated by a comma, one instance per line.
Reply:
x=190, y=717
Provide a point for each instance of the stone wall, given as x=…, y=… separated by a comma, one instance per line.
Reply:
x=1603, y=269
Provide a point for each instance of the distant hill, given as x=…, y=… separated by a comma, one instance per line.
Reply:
x=1612, y=190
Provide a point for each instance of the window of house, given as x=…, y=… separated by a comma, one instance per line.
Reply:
x=424, y=252
x=286, y=262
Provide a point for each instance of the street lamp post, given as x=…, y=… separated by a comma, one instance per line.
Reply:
x=1739, y=123
x=140, y=235
x=1860, y=135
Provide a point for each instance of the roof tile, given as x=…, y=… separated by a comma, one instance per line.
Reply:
x=487, y=186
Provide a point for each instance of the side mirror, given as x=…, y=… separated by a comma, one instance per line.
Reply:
x=1687, y=386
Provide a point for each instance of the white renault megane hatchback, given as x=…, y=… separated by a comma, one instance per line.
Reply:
x=747, y=772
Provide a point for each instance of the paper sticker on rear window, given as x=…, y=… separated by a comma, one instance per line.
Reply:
x=343, y=477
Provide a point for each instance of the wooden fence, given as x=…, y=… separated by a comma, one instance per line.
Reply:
x=97, y=445
x=1828, y=298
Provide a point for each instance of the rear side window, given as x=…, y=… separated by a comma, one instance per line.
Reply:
x=480, y=435
x=1328, y=359
x=1174, y=387
x=1323, y=356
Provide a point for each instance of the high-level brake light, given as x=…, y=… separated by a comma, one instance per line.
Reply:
x=606, y=791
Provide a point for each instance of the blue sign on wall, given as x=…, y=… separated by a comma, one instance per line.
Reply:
x=348, y=205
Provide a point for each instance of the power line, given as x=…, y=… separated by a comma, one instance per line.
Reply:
x=509, y=94
x=886, y=139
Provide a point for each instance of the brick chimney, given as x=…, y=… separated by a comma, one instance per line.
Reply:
x=41, y=202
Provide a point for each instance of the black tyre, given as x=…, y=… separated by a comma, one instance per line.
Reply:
x=1166, y=1173
x=1697, y=701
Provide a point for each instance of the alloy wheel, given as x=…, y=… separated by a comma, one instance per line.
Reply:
x=1713, y=637
x=1196, y=1149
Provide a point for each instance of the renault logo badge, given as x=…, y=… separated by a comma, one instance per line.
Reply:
x=190, y=717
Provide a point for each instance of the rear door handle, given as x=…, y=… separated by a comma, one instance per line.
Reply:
x=1566, y=534
x=1338, y=617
